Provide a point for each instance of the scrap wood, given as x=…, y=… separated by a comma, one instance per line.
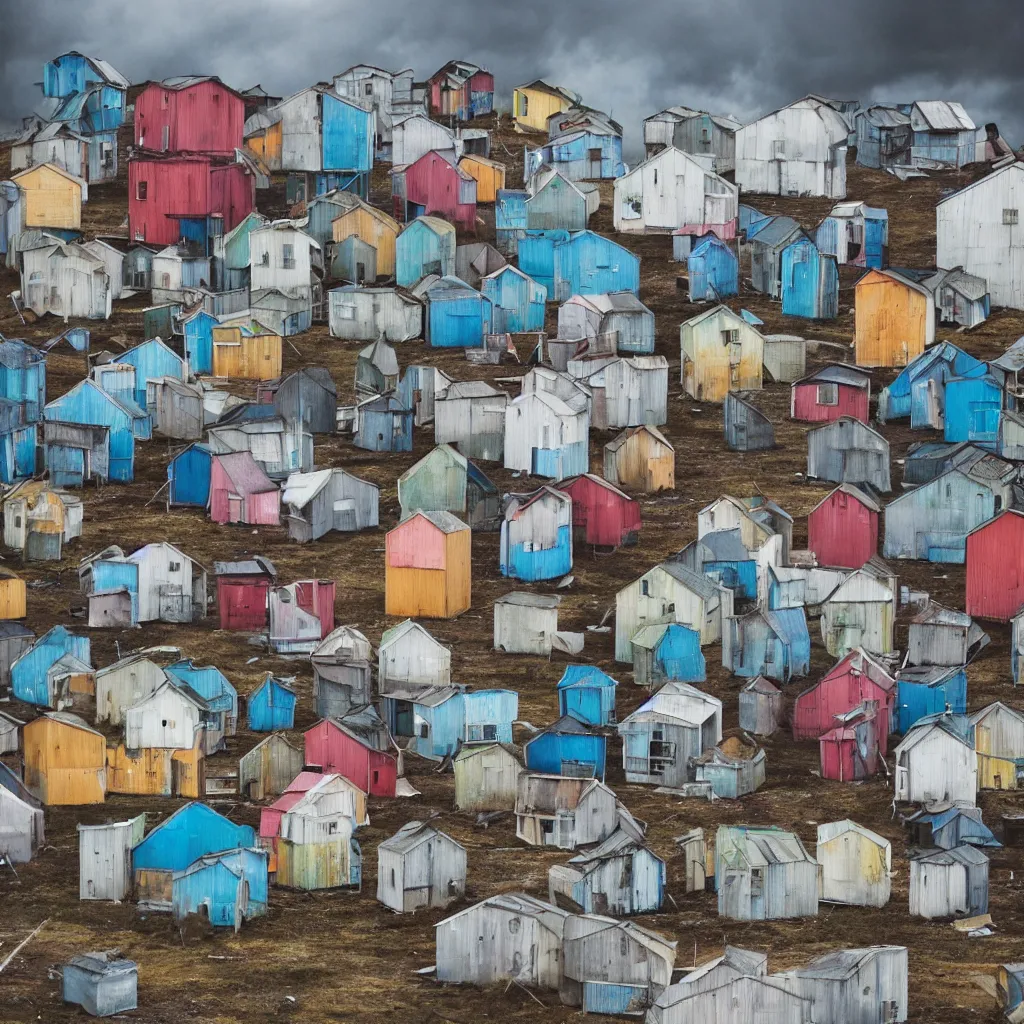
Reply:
x=24, y=942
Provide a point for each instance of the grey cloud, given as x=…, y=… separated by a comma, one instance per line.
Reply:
x=631, y=58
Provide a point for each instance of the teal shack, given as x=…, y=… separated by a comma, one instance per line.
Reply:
x=188, y=476
x=224, y=888
x=567, y=747
x=517, y=301
x=88, y=403
x=197, y=328
x=810, y=281
x=667, y=652
x=713, y=271
x=271, y=706
x=588, y=694
x=457, y=316
x=426, y=246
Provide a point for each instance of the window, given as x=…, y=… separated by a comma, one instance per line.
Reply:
x=1011, y=216
x=644, y=589
x=424, y=731
x=142, y=190
x=730, y=337
x=490, y=732
x=513, y=925
x=332, y=827
x=174, y=567
x=163, y=722
x=288, y=259
x=165, y=138
x=216, y=97
x=392, y=877
x=376, y=777
x=165, y=100
x=548, y=826
x=368, y=89
x=265, y=259
x=623, y=945
x=778, y=148
x=655, y=175
x=523, y=104
x=828, y=394
x=17, y=521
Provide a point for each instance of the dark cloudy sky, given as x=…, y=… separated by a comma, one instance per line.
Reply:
x=629, y=57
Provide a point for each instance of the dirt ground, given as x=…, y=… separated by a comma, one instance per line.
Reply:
x=338, y=955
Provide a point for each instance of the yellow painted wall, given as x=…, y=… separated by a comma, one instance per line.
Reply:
x=235, y=354
x=52, y=200
x=148, y=773
x=489, y=176
x=12, y=598
x=643, y=464
x=375, y=228
x=891, y=321
x=540, y=105
x=460, y=556
x=432, y=593
x=64, y=764
x=709, y=370
x=267, y=146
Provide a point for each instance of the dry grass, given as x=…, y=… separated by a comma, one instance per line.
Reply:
x=339, y=954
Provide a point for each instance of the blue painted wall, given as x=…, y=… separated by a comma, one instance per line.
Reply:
x=86, y=402
x=679, y=655
x=152, y=359
x=457, y=319
x=537, y=256
x=209, y=682
x=907, y=394
x=587, y=693
x=109, y=576
x=590, y=264
x=548, y=750
x=18, y=454
x=483, y=709
x=23, y=377
x=517, y=302
x=544, y=564
x=28, y=673
x=271, y=706
x=973, y=405
x=190, y=833
x=420, y=250
x=573, y=157
x=810, y=282
x=915, y=700
x=510, y=219
x=713, y=271
x=216, y=887
x=739, y=577
x=189, y=476
x=347, y=136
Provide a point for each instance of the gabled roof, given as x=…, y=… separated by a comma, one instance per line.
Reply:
x=839, y=373
x=411, y=834
x=966, y=855
x=697, y=583
x=68, y=719
x=944, y=115
x=842, y=964
x=245, y=473
x=104, y=68
x=857, y=493
x=547, y=915
x=630, y=432
x=444, y=521
x=832, y=829
x=585, y=675
x=775, y=232
x=528, y=600
x=681, y=702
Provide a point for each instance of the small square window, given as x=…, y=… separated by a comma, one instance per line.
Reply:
x=174, y=567
x=828, y=394
x=1011, y=216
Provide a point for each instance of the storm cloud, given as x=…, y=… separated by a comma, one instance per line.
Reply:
x=740, y=57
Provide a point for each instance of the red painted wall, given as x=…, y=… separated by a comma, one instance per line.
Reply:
x=203, y=118
x=259, y=508
x=606, y=517
x=317, y=598
x=433, y=183
x=842, y=531
x=333, y=750
x=242, y=603
x=839, y=761
x=995, y=568
x=838, y=692
x=185, y=187
x=805, y=408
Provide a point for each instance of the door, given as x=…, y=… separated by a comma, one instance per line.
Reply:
x=698, y=271
x=716, y=209
x=345, y=515
x=874, y=243
x=594, y=159
x=545, y=462
x=235, y=509
x=800, y=286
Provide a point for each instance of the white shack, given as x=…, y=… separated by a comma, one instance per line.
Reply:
x=856, y=986
x=949, y=883
x=105, y=858
x=856, y=864
x=798, y=150
x=366, y=314
x=936, y=761
x=471, y=415
x=342, y=672
x=124, y=684
x=627, y=391
x=168, y=718
x=673, y=190
x=507, y=936
x=21, y=825
x=525, y=623
x=487, y=776
x=860, y=612
x=172, y=585
x=420, y=866
x=409, y=656
x=554, y=810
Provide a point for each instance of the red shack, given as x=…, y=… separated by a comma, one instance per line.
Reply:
x=240, y=492
x=353, y=746
x=243, y=589
x=838, y=389
x=995, y=567
x=602, y=515
x=855, y=678
x=167, y=192
x=842, y=529
x=190, y=114
x=850, y=750
x=434, y=184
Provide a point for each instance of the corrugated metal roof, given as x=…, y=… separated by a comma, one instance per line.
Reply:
x=519, y=597
x=444, y=521
x=411, y=835
x=839, y=373
x=945, y=115
x=695, y=582
x=885, y=117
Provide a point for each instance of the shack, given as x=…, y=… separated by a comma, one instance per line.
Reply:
x=486, y=777
x=553, y=810
x=747, y=429
x=446, y=481
x=949, y=883
x=427, y=566
x=856, y=864
x=329, y=499
x=420, y=866
x=642, y=459
x=848, y=451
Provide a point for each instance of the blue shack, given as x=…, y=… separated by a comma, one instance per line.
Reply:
x=713, y=271
x=810, y=281
x=585, y=153
x=347, y=133
x=458, y=316
x=590, y=264
x=722, y=555
x=383, y=424
x=152, y=359
x=225, y=888
x=950, y=828
x=775, y=644
x=973, y=407
x=517, y=302
x=919, y=390
x=188, y=476
x=198, y=330
x=31, y=680
x=489, y=714
x=567, y=747
x=88, y=403
x=191, y=832
x=856, y=234
x=536, y=250
x=510, y=221
x=18, y=441
x=426, y=246
x=667, y=651
x=105, y=88
x=23, y=377
x=749, y=220
x=212, y=685
x=76, y=337
x=587, y=693
x=101, y=983
x=555, y=203
x=536, y=535
x=929, y=690
x=113, y=576
x=271, y=706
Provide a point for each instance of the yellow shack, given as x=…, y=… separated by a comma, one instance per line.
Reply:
x=721, y=352
x=157, y=771
x=999, y=742
x=12, y=595
x=894, y=319
x=374, y=227
x=246, y=349
x=488, y=174
x=51, y=198
x=641, y=459
x=427, y=566
x=65, y=760
x=534, y=103
x=263, y=137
